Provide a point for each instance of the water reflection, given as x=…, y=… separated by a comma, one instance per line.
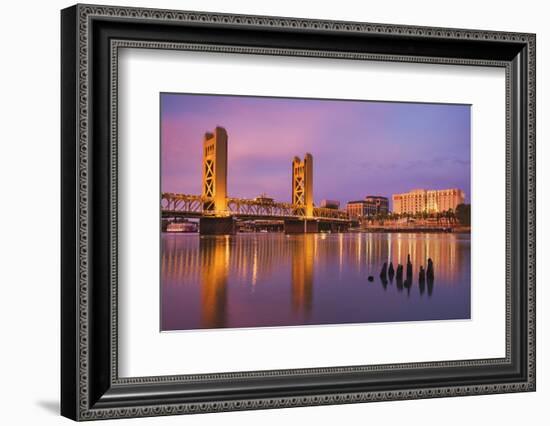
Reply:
x=303, y=254
x=252, y=280
x=214, y=255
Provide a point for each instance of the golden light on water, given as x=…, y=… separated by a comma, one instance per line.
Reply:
x=253, y=260
x=275, y=268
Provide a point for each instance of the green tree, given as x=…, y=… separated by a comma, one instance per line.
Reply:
x=462, y=214
x=450, y=215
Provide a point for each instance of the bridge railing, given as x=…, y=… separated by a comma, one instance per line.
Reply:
x=183, y=203
x=194, y=204
x=252, y=207
x=330, y=213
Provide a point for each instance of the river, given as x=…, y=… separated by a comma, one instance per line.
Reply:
x=273, y=279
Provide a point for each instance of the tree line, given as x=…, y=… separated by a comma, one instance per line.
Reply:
x=459, y=216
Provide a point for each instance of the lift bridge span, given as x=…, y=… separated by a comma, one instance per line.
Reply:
x=218, y=212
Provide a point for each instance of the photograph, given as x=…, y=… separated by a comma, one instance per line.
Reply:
x=279, y=211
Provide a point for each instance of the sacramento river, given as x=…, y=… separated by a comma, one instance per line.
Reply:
x=271, y=279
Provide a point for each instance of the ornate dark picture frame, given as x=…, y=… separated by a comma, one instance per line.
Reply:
x=90, y=385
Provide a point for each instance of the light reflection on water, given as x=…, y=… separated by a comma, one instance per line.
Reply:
x=259, y=279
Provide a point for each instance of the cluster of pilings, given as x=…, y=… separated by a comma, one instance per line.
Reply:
x=425, y=276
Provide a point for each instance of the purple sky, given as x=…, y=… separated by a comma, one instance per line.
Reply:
x=359, y=148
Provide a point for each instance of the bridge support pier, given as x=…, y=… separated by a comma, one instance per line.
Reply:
x=297, y=226
x=217, y=226
x=334, y=226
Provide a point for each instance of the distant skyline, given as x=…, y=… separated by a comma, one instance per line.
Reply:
x=359, y=148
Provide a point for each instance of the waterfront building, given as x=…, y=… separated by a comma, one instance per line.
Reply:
x=377, y=205
x=330, y=204
x=356, y=208
x=427, y=200
x=370, y=206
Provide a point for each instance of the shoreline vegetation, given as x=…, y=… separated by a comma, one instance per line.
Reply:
x=372, y=230
x=414, y=229
x=455, y=221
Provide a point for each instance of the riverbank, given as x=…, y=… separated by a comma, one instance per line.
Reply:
x=370, y=230
x=415, y=229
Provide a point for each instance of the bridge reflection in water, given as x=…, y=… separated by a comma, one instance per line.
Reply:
x=272, y=279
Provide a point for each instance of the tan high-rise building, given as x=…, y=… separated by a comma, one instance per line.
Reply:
x=444, y=199
x=214, y=170
x=427, y=200
x=302, y=184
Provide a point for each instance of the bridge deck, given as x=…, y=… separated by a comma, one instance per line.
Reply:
x=184, y=205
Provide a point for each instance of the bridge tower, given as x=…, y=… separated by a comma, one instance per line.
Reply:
x=214, y=170
x=302, y=185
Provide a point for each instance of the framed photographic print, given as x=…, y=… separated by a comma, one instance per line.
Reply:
x=263, y=212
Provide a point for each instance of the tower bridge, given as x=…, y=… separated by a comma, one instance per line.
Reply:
x=218, y=212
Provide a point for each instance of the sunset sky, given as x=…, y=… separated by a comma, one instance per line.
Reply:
x=359, y=148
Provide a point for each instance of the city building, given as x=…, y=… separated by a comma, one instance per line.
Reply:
x=377, y=204
x=356, y=208
x=427, y=200
x=330, y=204
x=370, y=206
